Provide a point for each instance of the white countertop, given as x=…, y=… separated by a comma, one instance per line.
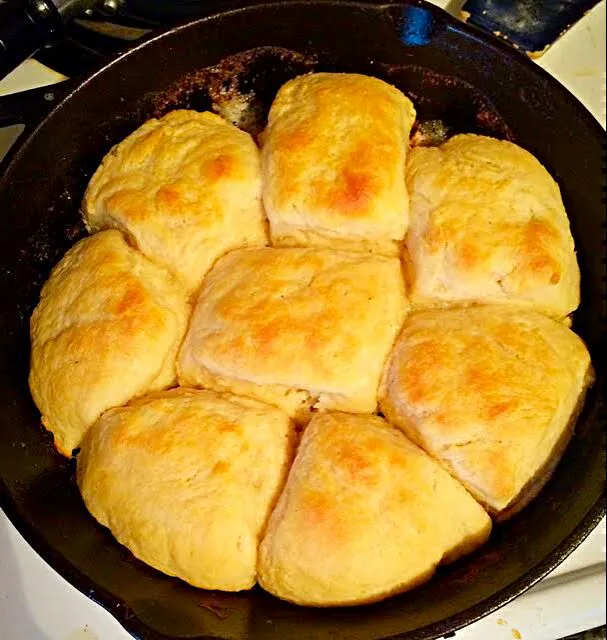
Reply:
x=37, y=604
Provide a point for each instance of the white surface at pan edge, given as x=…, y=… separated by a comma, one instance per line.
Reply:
x=37, y=604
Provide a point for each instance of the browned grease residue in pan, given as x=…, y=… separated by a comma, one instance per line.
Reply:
x=445, y=104
x=241, y=89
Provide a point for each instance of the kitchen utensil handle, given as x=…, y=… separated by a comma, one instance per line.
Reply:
x=24, y=28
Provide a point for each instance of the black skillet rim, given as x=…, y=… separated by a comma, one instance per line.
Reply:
x=118, y=608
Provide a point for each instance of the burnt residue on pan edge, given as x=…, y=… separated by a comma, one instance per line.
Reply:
x=241, y=89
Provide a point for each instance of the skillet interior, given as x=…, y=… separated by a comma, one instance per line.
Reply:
x=453, y=74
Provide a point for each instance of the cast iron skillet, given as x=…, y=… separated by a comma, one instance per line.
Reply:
x=454, y=73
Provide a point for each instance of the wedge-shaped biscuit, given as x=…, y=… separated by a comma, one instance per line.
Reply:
x=185, y=188
x=364, y=514
x=491, y=392
x=107, y=328
x=298, y=328
x=333, y=162
x=488, y=225
x=186, y=479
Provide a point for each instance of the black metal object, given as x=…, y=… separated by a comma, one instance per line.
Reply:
x=73, y=36
x=455, y=74
x=91, y=37
x=599, y=633
x=24, y=28
x=29, y=25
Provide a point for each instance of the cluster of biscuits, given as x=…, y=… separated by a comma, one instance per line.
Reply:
x=324, y=366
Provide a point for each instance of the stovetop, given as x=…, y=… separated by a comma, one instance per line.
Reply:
x=110, y=29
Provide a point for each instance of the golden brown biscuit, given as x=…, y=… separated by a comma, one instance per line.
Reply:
x=491, y=392
x=487, y=225
x=364, y=514
x=298, y=328
x=186, y=479
x=186, y=189
x=333, y=161
x=107, y=328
